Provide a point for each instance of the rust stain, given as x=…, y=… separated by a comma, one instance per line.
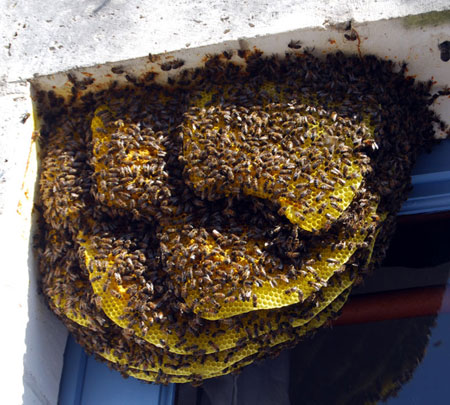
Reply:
x=332, y=41
x=354, y=36
x=358, y=44
x=25, y=192
x=87, y=74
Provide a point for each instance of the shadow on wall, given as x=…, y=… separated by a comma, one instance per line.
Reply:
x=45, y=342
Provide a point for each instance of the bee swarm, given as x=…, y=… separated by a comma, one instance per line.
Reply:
x=189, y=230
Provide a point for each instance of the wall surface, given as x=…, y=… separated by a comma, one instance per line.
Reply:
x=46, y=37
x=40, y=38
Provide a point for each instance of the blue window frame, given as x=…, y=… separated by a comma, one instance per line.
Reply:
x=86, y=381
x=431, y=181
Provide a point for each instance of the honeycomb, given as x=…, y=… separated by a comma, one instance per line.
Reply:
x=129, y=166
x=268, y=296
x=189, y=230
x=216, y=367
x=74, y=313
x=114, y=302
x=274, y=344
x=62, y=185
x=213, y=365
x=209, y=364
x=68, y=289
x=312, y=174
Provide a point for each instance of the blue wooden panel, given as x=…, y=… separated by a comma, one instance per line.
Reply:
x=431, y=182
x=85, y=381
x=436, y=161
x=72, y=378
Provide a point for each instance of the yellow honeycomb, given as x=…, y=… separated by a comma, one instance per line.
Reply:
x=268, y=296
x=213, y=363
x=328, y=174
x=210, y=364
x=207, y=224
x=65, y=286
x=115, y=307
x=129, y=166
x=73, y=312
x=274, y=342
x=61, y=183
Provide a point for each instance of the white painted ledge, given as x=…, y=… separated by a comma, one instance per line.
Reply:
x=47, y=37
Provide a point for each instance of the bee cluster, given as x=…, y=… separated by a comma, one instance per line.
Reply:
x=191, y=229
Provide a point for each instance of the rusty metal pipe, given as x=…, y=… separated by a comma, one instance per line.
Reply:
x=395, y=305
